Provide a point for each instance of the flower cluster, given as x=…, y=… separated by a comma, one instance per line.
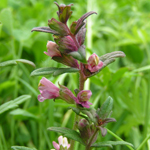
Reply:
x=50, y=91
x=68, y=48
x=63, y=144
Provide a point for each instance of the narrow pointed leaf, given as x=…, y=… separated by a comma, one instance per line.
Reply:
x=26, y=62
x=8, y=63
x=45, y=29
x=111, y=143
x=80, y=22
x=77, y=25
x=106, y=108
x=60, y=71
x=72, y=134
x=43, y=71
x=76, y=110
x=22, y=114
x=112, y=55
x=14, y=62
x=79, y=55
x=52, y=70
x=13, y=103
x=59, y=27
x=22, y=148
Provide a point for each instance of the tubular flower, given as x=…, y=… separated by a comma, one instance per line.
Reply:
x=63, y=143
x=52, y=49
x=47, y=89
x=94, y=64
x=83, y=97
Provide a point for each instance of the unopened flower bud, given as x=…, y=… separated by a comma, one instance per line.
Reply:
x=67, y=44
x=66, y=95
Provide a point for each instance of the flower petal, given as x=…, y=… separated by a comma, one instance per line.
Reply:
x=56, y=146
x=84, y=95
x=52, y=49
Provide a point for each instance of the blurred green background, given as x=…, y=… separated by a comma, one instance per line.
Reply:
x=119, y=25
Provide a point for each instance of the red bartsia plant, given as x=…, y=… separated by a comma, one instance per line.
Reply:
x=68, y=48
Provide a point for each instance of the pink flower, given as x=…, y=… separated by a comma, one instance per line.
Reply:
x=47, y=89
x=83, y=97
x=94, y=64
x=62, y=141
x=52, y=49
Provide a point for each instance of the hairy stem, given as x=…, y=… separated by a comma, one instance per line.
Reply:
x=82, y=80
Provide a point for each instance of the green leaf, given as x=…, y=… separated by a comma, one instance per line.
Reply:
x=43, y=71
x=14, y=62
x=22, y=148
x=7, y=20
x=13, y=103
x=118, y=75
x=72, y=134
x=52, y=70
x=81, y=22
x=111, y=144
x=76, y=110
x=8, y=63
x=22, y=114
x=59, y=27
x=106, y=108
x=45, y=29
x=26, y=62
x=145, y=68
x=80, y=54
x=64, y=70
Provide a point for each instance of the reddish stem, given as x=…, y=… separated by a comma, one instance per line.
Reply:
x=82, y=78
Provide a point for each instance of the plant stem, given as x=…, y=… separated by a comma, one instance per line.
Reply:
x=117, y=137
x=88, y=147
x=72, y=142
x=147, y=111
x=144, y=141
x=82, y=80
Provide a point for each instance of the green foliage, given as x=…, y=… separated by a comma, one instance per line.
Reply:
x=118, y=26
x=14, y=62
x=71, y=134
x=13, y=103
x=106, y=108
x=110, y=144
x=52, y=70
x=22, y=148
